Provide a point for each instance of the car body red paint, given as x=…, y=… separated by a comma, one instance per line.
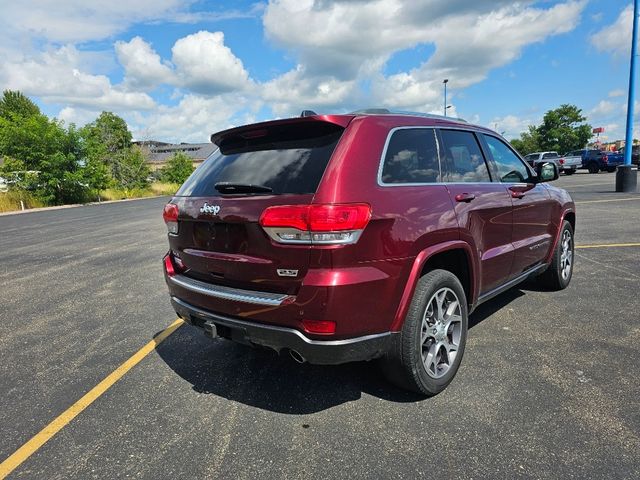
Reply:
x=497, y=230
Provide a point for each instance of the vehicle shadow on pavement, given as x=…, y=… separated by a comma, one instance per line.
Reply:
x=263, y=379
x=490, y=307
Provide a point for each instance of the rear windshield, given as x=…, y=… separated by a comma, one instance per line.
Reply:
x=287, y=158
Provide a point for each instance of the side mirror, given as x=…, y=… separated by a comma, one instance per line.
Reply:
x=547, y=172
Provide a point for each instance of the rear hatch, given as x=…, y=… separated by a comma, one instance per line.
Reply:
x=219, y=237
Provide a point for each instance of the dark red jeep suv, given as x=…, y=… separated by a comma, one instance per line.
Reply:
x=365, y=236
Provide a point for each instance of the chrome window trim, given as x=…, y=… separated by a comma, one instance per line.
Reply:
x=384, y=154
x=228, y=293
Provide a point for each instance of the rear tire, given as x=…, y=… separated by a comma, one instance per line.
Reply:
x=429, y=349
x=558, y=275
x=593, y=167
x=571, y=171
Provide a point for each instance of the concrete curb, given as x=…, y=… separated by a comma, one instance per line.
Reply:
x=75, y=205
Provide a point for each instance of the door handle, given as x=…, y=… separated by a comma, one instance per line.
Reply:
x=465, y=197
x=516, y=193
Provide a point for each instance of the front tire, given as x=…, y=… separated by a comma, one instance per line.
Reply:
x=430, y=346
x=558, y=275
x=593, y=167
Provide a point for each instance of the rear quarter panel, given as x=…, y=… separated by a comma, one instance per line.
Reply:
x=405, y=220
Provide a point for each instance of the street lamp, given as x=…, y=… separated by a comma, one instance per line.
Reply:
x=445, y=81
x=626, y=178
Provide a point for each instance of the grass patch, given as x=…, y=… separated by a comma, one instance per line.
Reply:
x=10, y=201
x=155, y=189
x=161, y=188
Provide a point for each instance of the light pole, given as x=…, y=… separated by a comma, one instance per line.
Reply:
x=445, y=81
x=626, y=178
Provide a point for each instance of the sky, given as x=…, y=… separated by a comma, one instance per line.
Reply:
x=179, y=70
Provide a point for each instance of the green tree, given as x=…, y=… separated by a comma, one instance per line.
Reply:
x=107, y=135
x=107, y=148
x=14, y=103
x=177, y=169
x=130, y=169
x=42, y=155
x=564, y=129
x=528, y=142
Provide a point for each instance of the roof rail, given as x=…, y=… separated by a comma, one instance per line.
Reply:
x=386, y=111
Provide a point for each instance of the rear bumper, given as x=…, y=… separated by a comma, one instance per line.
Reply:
x=320, y=352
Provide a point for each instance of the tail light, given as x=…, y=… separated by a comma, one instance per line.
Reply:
x=561, y=161
x=605, y=159
x=170, y=215
x=330, y=224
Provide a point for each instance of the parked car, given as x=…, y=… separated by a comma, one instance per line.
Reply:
x=371, y=235
x=635, y=154
x=596, y=160
x=566, y=165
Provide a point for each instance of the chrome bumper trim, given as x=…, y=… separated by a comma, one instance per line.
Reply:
x=228, y=293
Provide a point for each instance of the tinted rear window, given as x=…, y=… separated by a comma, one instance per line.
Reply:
x=287, y=158
x=411, y=157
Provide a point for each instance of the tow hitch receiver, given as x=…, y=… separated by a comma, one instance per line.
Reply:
x=210, y=329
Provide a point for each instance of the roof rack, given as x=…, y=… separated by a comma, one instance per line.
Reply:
x=386, y=111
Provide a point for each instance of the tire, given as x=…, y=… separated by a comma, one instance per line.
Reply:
x=593, y=167
x=558, y=275
x=430, y=346
x=611, y=170
x=571, y=171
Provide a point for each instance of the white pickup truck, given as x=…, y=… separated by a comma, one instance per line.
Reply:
x=568, y=165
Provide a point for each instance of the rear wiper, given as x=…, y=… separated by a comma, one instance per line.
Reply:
x=230, y=187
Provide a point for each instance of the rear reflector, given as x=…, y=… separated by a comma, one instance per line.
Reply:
x=319, y=327
x=170, y=215
x=168, y=266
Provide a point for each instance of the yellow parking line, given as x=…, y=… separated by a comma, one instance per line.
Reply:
x=29, y=448
x=609, y=200
x=609, y=245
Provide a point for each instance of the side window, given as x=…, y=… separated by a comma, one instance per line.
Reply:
x=411, y=157
x=510, y=168
x=463, y=157
x=550, y=155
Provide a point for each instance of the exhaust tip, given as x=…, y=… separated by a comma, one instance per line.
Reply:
x=297, y=357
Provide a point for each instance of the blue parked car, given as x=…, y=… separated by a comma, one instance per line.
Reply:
x=597, y=160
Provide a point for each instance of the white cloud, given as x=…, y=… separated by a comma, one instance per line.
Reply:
x=511, y=126
x=194, y=119
x=617, y=93
x=295, y=91
x=81, y=20
x=55, y=76
x=616, y=38
x=206, y=65
x=351, y=41
x=604, y=109
x=142, y=65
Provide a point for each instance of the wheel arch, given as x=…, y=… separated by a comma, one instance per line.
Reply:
x=455, y=257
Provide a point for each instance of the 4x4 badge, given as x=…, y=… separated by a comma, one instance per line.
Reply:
x=206, y=208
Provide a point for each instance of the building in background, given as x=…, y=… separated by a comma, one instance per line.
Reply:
x=158, y=153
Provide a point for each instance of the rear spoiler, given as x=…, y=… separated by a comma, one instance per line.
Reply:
x=258, y=129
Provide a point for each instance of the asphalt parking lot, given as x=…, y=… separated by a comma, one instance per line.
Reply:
x=548, y=387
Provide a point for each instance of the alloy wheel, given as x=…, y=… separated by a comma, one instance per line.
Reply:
x=441, y=332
